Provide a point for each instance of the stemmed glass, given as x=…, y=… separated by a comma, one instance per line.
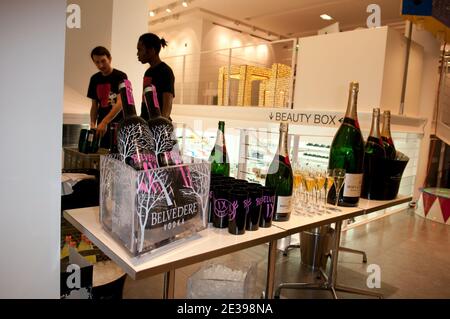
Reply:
x=309, y=184
x=319, y=179
x=297, y=186
x=338, y=180
x=329, y=180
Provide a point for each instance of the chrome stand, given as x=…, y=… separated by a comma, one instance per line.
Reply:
x=330, y=282
x=354, y=251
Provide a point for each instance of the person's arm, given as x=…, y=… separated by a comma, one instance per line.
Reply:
x=102, y=126
x=93, y=113
x=167, y=104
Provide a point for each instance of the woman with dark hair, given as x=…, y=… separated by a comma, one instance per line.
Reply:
x=159, y=73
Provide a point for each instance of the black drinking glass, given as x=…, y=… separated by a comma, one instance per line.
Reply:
x=267, y=203
x=95, y=142
x=254, y=213
x=220, y=206
x=239, y=206
x=83, y=141
x=253, y=185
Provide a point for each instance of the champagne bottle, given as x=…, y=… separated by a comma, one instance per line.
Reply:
x=133, y=137
x=280, y=177
x=386, y=136
x=162, y=131
x=373, y=160
x=347, y=152
x=374, y=145
x=220, y=163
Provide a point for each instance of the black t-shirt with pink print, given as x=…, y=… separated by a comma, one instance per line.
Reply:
x=104, y=90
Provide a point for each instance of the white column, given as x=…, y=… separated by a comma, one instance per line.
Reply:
x=32, y=34
x=428, y=90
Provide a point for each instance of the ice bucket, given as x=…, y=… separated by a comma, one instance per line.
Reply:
x=382, y=178
x=145, y=210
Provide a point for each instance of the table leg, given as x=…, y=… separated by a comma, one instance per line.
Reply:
x=169, y=284
x=333, y=272
x=270, y=283
x=335, y=254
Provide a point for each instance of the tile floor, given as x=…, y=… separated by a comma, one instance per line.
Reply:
x=413, y=255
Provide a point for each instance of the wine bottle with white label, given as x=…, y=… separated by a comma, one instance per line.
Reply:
x=280, y=177
x=347, y=152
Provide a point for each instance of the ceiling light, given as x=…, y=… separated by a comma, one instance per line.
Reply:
x=168, y=10
x=326, y=17
x=184, y=4
x=151, y=13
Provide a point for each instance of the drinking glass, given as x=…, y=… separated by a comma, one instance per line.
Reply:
x=319, y=179
x=338, y=180
x=329, y=180
x=297, y=187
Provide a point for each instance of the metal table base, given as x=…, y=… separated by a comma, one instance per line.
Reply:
x=330, y=282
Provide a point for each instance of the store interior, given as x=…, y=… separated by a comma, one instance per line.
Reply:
x=252, y=66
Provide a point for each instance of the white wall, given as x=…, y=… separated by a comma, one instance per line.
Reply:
x=428, y=91
x=32, y=63
x=96, y=22
x=328, y=63
x=393, y=75
x=129, y=21
x=183, y=39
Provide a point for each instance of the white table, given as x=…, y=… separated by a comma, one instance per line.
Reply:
x=210, y=243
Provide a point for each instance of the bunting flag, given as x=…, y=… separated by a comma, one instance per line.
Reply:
x=428, y=201
x=445, y=208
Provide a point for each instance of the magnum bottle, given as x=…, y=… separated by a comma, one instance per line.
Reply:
x=163, y=140
x=220, y=163
x=373, y=160
x=374, y=146
x=386, y=136
x=133, y=135
x=162, y=131
x=280, y=177
x=347, y=152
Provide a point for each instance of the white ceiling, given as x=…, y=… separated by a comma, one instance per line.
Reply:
x=288, y=18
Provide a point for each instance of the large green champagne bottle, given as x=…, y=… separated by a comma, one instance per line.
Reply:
x=220, y=163
x=386, y=136
x=347, y=152
x=280, y=177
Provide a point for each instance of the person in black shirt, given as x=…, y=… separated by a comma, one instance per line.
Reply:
x=159, y=74
x=103, y=91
